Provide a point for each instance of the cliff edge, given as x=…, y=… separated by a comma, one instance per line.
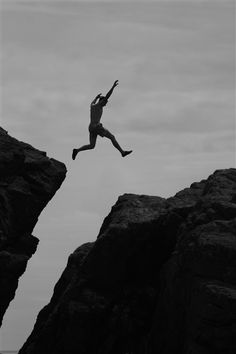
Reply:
x=160, y=278
x=28, y=180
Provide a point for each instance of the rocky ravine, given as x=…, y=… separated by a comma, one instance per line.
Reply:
x=28, y=180
x=160, y=279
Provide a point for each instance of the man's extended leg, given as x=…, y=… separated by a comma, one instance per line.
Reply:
x=91, y=145
x=115, y=143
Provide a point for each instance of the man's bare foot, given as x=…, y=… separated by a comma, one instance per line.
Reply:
x=125, y=153
x=74, y=153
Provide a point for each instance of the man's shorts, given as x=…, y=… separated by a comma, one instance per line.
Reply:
x=98, y=129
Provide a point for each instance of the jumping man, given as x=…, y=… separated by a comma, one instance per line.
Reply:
x=96, y=128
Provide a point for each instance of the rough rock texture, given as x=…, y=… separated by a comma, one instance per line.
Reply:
x=28, y=180
x=160, y=278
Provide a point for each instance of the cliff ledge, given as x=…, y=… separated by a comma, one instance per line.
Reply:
x=28, y=180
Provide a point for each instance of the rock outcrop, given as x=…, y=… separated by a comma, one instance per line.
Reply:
x=28, y=180
x=160, y=278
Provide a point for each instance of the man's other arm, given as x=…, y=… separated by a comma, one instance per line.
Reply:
x=96, y=98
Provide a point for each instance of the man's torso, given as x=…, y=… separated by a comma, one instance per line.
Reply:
x=96, y=111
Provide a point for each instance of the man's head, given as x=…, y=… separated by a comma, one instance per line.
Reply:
x=103, y=100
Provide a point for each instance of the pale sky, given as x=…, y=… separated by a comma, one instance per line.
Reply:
x=174, y=106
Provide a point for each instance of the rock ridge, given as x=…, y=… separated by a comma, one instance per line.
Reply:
x=160, y=278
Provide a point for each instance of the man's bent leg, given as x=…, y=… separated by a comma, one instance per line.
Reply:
x=91, y=145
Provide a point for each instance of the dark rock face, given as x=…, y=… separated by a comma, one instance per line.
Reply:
x=160, y=278
x=28, y=180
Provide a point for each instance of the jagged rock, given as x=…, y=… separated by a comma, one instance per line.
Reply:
x=160, y=278
x=28, y=180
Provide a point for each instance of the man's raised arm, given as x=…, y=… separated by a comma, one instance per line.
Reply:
x=111, y=90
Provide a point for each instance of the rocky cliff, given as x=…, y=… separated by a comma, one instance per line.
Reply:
x=160, y=278
x=28, y=180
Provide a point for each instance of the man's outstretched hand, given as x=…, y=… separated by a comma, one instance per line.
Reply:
x=115, y=83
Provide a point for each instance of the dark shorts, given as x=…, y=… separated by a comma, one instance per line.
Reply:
x=98, y=129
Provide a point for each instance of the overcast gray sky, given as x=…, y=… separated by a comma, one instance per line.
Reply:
x=174, y=106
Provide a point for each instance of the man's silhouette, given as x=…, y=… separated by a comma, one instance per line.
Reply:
x=96, y=128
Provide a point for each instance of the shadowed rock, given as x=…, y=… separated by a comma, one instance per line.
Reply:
x=28, y=180
x=160, y=278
